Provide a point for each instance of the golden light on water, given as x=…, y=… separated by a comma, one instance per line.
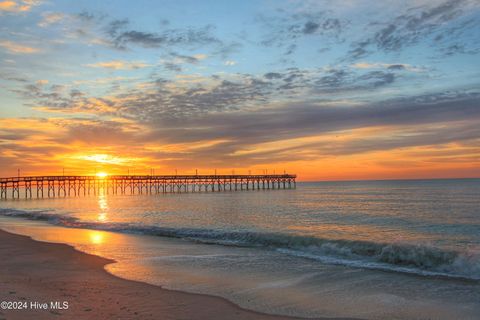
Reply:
x=96, y=237
x=103, y=208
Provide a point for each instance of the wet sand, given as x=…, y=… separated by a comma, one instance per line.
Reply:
x=32, y=271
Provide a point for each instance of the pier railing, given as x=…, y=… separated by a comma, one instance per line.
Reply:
x=62, y=186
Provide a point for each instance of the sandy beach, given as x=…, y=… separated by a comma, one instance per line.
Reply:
x=40, y=272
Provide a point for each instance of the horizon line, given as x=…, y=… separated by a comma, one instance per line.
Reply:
x=390, y=179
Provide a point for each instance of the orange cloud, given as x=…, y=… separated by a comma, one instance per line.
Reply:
x=81, y=146
x=119, y=65
x=14, y=47
x=7, y=5
x=105, y=159
x=381, y=65
x=17, y=6
x=397, y=164
x=50, y=18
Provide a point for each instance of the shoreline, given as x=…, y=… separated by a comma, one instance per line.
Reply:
x=34, y=271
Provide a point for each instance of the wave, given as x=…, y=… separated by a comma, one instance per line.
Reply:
x=399, y=257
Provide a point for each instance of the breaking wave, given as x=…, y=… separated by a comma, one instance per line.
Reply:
x=406, y=258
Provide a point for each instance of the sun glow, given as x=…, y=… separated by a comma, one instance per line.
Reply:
x=101, y=174
x=103, y=158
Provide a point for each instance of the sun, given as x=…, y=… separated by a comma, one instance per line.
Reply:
x=101, y=174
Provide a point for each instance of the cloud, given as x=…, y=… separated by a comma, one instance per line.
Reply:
x=121, y=37
x=14, y=47
x=232, y=100
x=191, y=96
x=285, y=31
x=119, y=65
x=98, y=133
x=172, y=66
x=454, y=49
x=17, y=6
x=412, y=25
x=337, y=80
x=175, y=61
x=388, y=66
x=50, y=18
x=200, y=56
x=181, y=58
x=230, y=62
x=56, y=98
x=8, y=5
x=170, y=99
x=24, y=141
x=367, y=140
x=98, y=29
x=313, y=131
x=299, y=121
x=310, y=27
x=171, y=37
x=176, y=125
x=273, y=75
x=13, y=76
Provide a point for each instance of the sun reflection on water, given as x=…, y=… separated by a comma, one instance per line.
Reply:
x=96, y=237
x=103, y=208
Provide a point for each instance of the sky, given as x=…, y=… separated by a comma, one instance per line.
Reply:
x=329, y=90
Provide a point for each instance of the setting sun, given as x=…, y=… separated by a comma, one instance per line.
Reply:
x=101, y=174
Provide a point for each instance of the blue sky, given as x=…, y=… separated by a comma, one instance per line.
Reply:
x=253, y=83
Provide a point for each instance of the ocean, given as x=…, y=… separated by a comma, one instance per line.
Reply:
x=404, y=249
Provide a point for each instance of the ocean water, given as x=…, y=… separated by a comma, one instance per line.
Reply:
x=376, y=249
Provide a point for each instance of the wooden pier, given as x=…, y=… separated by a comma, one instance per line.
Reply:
x=63, y=186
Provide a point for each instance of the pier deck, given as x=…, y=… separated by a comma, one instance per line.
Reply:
x=62, y=186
